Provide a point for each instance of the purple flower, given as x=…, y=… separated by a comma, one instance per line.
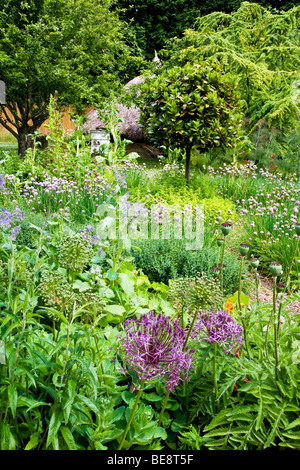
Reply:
x=9, y=219
x=15, y=232
x=219, y=327
x=153, y=348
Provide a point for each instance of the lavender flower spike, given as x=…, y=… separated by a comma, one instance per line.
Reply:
x=153, y=349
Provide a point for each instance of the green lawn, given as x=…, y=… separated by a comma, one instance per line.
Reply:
x=8, y=146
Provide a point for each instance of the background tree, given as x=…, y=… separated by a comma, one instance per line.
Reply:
x=154, y=22
x=196, y=105
x=259, y=46
x=72, y=47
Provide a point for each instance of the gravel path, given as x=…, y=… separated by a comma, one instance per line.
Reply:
x=266, y=295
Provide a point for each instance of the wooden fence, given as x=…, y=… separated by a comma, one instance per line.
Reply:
x=68, y=125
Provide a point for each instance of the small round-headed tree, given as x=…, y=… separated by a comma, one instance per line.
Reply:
x=197, y=105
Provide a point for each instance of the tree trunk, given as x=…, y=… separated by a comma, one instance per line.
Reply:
x=187, y=163
x=22, y=144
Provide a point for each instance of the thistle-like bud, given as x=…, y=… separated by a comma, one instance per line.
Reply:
x=244, y=248
x=220, y=241
x=280, y=287
x=225, y=228
x=254, y=262
x=215, y=271
x=275, y=268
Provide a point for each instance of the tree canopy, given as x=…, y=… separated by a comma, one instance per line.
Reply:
x=154, y=22
x=194, y=105
x=72, y=47
x=261, y=47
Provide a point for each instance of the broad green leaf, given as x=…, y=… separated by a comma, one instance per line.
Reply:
x=112, y=275
x=160, y=433
x=89, y=403
x=115, y=309
x=153, y=303
x=12, y=397
x=81, y=286
x=152, y=397
x=244, y=299
x=54, y=425
x=126, y=284
x=117, y=414
x=68, y=437
x=106, y=292
x=142, y=310
x=96, y=259
x=145, y=436
x=128, y=397
x=7, y=439
x=34, y=440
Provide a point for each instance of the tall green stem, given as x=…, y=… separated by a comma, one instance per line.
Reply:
x=240, y=285
x=271, y=317
x=163, y=408
x=131, y=415
x=190, y=330
x=275, y=328
x=290, y=267
x=240, y=308
x=278, y=315
x=257, y=286
x=215, y=372
x=221, y=267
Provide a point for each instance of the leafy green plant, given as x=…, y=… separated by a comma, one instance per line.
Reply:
x=194, y=293
x=193, y=105
x=162, y=260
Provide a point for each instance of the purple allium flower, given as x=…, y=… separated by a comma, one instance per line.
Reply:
x=219, y=327
x=153, y=348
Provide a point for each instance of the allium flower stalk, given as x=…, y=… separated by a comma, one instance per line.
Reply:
x=219, y=327
x=154, y=348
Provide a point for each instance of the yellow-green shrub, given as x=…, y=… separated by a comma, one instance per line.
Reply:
x=183, y=196
x=214, y=205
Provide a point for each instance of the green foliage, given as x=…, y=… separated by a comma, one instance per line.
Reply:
x=163, y=260
x=195, y=105
x=255, y=411
x=154, y=22
x=75, y=252
x=172, y=190
x=35, y=60
x=194, y=293
x=114, y=152
x=261, y=47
